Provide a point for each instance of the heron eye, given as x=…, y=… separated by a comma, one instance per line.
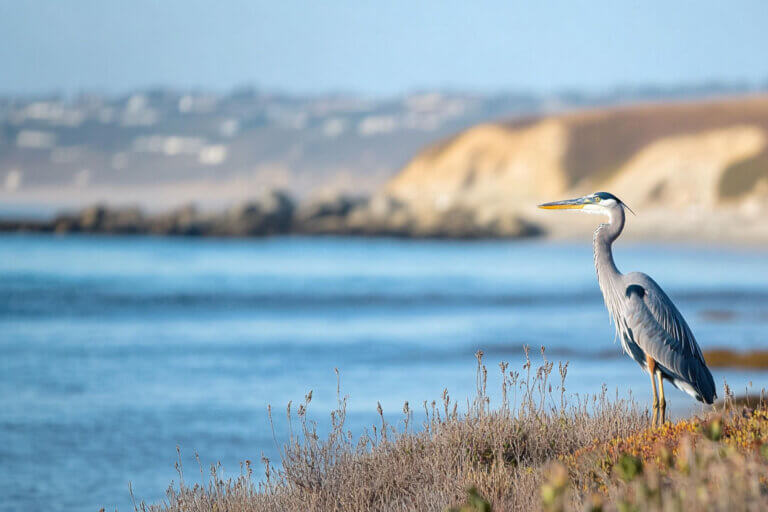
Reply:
x=597, y=199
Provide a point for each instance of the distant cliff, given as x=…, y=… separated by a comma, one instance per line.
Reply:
x=696, y=164
x=691, y=170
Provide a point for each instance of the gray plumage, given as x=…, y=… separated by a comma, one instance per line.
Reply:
x=647, y=322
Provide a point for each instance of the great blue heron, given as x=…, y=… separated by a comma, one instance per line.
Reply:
x=651, y=329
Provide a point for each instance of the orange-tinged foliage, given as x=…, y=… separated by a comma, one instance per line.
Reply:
x=645, y=444
x=735, y=433
x=747, y=432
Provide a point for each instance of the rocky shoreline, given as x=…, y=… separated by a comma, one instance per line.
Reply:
x=276, y=213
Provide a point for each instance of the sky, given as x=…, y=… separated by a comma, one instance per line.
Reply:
x=382, y=47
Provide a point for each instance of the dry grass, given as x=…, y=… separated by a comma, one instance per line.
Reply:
x=540, y=449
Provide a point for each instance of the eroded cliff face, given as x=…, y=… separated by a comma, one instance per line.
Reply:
x=485, y=164
x=688, y=170
x=692, y=163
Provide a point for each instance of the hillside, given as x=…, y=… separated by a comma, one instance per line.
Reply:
x=694, y=170
x=161, y=148
x=691, y=162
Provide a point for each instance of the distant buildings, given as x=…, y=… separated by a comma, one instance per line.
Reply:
x=164, y=136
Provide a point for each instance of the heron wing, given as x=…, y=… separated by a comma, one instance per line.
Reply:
x=660, y=330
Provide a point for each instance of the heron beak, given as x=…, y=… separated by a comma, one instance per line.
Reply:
x=569, y=204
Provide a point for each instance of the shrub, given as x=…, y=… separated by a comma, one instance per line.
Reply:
x=539, y=449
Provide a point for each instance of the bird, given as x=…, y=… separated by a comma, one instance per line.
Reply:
x=651, y=329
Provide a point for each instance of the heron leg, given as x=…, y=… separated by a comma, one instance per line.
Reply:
x=651, y=371
x=662, y=400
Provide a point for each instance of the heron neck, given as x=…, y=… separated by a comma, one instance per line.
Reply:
x=605, y=234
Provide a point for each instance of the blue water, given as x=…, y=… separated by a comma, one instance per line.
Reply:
x=116, y=350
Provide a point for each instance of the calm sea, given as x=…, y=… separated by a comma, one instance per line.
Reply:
x=116, y=350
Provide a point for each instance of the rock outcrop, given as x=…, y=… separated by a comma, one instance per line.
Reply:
x=275, y=213
x=326, y=215
x=702, y=162
x=688, y=170
x=100, y=218
x=272, y=214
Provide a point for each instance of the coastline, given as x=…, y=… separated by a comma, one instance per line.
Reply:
x=277, y=214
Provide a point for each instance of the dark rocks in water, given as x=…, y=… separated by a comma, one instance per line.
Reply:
x=467, y=223
x=327, y=215
x=272, y=214
x=386, y=215
x=101, y=219
x=24, y=226
x=335, y=206
x=382, y=215
x=185, y=220
x=275, y=213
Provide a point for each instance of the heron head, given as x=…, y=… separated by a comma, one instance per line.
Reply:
x=601, y=203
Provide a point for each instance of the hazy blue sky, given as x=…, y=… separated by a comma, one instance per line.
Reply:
x=378, y=47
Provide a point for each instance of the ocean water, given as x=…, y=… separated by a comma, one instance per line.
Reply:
x=116, y=350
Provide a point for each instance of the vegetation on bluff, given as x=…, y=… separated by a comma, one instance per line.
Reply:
x=541, y=449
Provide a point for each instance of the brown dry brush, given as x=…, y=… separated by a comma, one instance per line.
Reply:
x=718, y=462
x=707, y=476
x=502, y=453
